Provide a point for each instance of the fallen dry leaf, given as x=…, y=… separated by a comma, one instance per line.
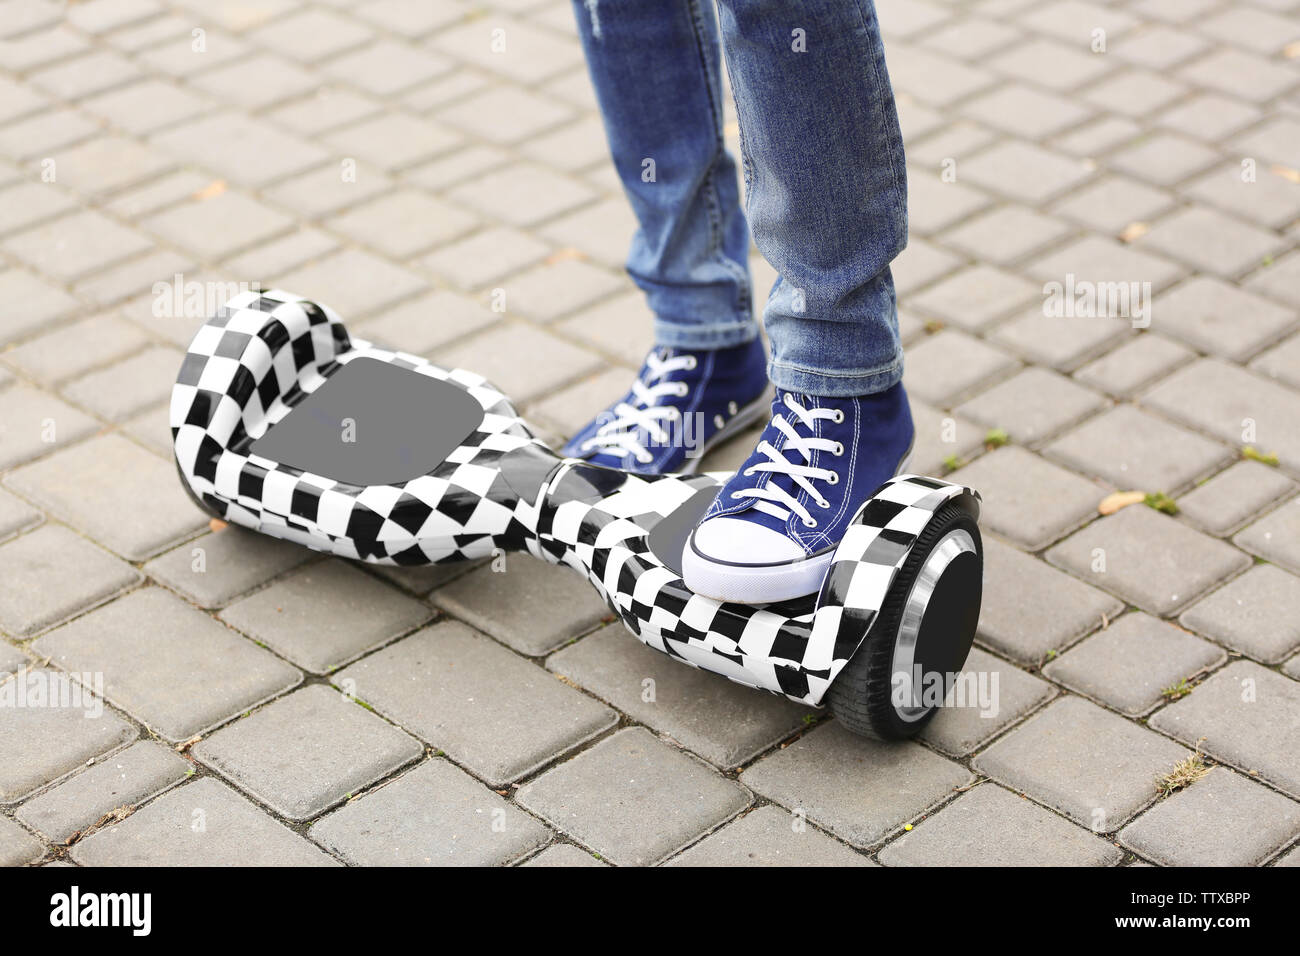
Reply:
x=216, y=524
x=212, y=190
x=1292, y=50
x=1134, y=230
x=1287, y=173
x=1120, y=499
x=563, y=255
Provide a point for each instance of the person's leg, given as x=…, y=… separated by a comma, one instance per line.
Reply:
x=826, y=186
x=656, y=68
x=827, y=200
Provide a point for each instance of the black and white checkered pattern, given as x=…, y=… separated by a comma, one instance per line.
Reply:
x=502, y=488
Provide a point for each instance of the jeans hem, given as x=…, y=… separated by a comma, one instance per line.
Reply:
x=678, y=335
x=835, y=383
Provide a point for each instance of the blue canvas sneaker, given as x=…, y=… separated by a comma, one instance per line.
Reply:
x=771, y=532
x=681, y=405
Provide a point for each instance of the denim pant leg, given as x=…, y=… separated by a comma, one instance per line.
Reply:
x=656, y=68
x=826, y=186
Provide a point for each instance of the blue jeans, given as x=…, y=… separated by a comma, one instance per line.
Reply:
x=826, y=188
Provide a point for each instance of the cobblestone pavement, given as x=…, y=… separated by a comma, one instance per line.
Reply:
x=385, y=158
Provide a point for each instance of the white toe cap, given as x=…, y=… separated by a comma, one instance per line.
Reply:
x=738, y=541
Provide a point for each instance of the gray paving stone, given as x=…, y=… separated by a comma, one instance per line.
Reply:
x=125, y=779
x=149, y=105
x=1030, y=608
x=11, y=659
x=1267, y=199
x=128, y=387
x=1158, y=46
x=392, y=141
x=485, y=257
x=307, y=752
x=603, y=797
x=620, y=327
x=108, y=164
x=553, y=290
x=1028, y=499
x=536, y=54
x=325, y=615
x=937, y=80
x=1225, y=502
x=326, y=189
x=51, y=727
x=244, y=150
x=1228, y=402
x=27, y=203
x=1274, y=140
x=1139, y=361
x=1223, y=819
x=1237, y=73
x=1164, y=158
x=173, y=668
x=976, y=297
x=311, y=35
x=1221, y=319
x=1128, y=664
x=1094, y=766
x=934, y=203
x=1024, y=172
x=563, y=854
x=122, y=496
x=860, y=790
x=769, y=836
x=1099, y=136
x=1006, y=235
x=218, y=227
x=17, y=846
x=506, y=604
x=1257, y=614
x=1292, y=667
x=37, y=423
x=940, y=436
x=1130, y=448
x=505, y=115
x=723, y=722
x=568, y=410
x=949, y=365
x=354, y=283
x=1048, y=62
x=1291, y=858
x=990, y=827
x=1277, y=280
x=1135, y=93
x=387, y=67
x=203, y=823
x=920, y=264
x=959, y=730
x=214, y=569
x=1032, y=405
x=434, y=815
x=43, y=305
x=72, y=247
x=402, y=223
x=1246, y=716
x=494, y=713
x=1061, y=341
x=76, y=348
x=522, y=194
x=1281, y=362
x=1276, y=536
x=1026, y=112
x=428, y=322
x=1208, y=116
x=1113, y=202
x=40, y=592
x=51, y=129
x=1212, y=241
x=1150, y=560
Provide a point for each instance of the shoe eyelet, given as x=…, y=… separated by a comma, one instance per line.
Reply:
x=834, y=479
x=823, y=503
x=748, y=472
x=735, y=495
x=691, y=362
x=718, y=421
x=839, y=449
x=674, y=414
x=839, y=416
x=732, y=408
x=810, y=523
x=682, y=389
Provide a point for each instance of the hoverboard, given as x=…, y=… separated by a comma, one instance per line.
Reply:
x=284, y=423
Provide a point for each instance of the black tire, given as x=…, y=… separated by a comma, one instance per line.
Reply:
x=860, y=697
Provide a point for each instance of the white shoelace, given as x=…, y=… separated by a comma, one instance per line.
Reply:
x=620, y=436
x=781, y=501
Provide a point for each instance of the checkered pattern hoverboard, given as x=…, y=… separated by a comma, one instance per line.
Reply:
x=401, y=462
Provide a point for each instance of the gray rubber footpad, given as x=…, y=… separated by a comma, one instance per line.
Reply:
x=373, y=423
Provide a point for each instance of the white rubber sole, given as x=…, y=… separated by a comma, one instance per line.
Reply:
x=758, y=583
